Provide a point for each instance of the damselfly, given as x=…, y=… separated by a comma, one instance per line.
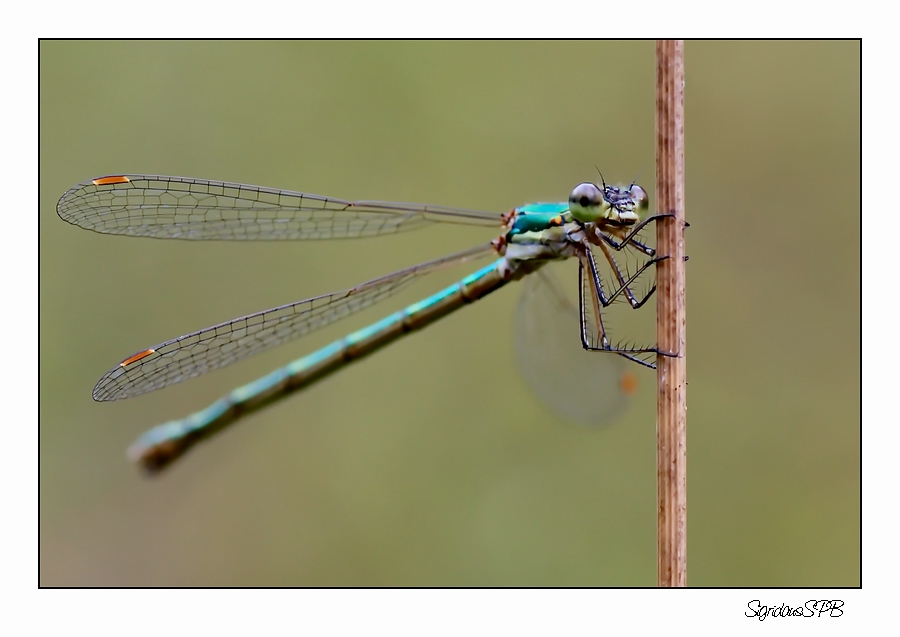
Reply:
x=600, y=218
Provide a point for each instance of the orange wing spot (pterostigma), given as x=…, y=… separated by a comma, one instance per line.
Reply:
x=112, y=179
x=133, y=359
x=628, y=383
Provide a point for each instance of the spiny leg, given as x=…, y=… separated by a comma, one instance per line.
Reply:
x=624, y=286
x=589, y=304
x=615, y=245
x=618, y=246
x=586, y=256
x=592, y=329
x=630, y=237
x=626, y=352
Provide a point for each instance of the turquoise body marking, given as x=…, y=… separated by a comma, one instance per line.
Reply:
x=483, y=272
x=554, y=208
x=316, y=358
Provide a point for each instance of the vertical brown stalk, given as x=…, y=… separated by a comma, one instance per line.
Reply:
x=671, y=406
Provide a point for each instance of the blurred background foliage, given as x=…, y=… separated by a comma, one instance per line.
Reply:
x=431, y=463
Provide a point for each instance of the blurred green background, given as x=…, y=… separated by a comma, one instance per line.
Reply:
x=431, y=463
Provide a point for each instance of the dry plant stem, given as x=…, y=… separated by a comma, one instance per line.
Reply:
x=671, y=446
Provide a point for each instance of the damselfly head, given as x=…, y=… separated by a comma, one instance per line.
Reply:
x=590, y=203
x=627, y=204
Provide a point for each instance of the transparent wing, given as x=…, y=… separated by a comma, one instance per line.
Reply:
x=198, y=209
x=590, y=388
x=199, y=352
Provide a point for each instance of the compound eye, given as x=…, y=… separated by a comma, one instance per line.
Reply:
x=640, y=197
x=586, y=195
x=585, y=201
